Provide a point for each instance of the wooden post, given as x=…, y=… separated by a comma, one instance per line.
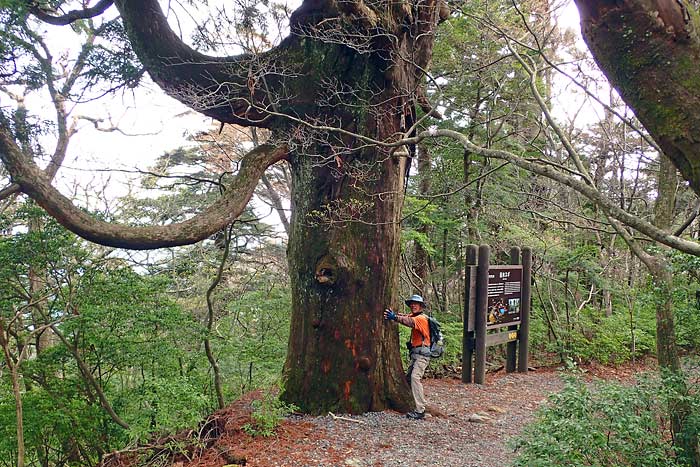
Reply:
x=512, y=347
x=482, y=286
x=525, y=310
x=469, y=297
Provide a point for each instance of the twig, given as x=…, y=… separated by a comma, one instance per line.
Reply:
x=336, y=417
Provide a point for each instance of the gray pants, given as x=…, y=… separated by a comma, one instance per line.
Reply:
x=414, y=374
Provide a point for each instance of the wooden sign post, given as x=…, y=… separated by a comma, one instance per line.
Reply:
x=496, y=298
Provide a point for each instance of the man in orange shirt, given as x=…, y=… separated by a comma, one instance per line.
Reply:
x=419, y=348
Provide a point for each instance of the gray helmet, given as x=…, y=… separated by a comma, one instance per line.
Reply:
x=415, y=298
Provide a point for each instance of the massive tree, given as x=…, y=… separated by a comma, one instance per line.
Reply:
x=336, y=95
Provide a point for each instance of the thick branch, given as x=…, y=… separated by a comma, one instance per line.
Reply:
x=650, y=52
x=227, y=89
x=35, y=184
x=73, y=15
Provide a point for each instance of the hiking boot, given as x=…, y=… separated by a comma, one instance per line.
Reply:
x=415, y=415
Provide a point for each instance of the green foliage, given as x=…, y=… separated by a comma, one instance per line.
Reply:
x=596, y=337
x=258, y=326
x=583, y=258
x=144, y=349
x=142, y=346
x=611, y=424
x=105, y=58
x=683, y=399
x=63, y=418
x=111, y=64
x=164, y=405
x=687, y=319
x=267, y=414
x=452, y=357
x=12, y=14
x=686, y=299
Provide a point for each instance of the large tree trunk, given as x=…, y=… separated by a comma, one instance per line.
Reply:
x=342, y=355
x=667, y=350
x=344, y=251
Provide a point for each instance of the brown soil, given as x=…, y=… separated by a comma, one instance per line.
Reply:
x=446, y=438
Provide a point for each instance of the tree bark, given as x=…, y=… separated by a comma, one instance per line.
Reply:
x=661, y=271
x=650, y=52
x=342, y=355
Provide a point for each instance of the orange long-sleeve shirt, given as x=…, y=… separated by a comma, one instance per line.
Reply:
x=420, y=333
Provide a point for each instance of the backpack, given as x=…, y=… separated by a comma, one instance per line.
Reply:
x=437, y=346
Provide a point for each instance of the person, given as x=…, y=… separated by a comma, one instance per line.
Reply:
x=419, y=349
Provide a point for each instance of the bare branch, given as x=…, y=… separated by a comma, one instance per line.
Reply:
x=219, y=87
x=577, y=184
x=689, y=220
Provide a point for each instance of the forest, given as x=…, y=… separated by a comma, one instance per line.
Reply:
x=353, y=150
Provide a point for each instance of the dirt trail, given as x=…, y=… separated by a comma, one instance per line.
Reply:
x=389, y=439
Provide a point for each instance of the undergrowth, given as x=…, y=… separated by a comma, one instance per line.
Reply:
x=603, y=424
x=267, y=414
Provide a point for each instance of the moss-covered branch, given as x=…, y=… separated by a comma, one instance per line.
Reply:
x=650, y=52
x=35, y=184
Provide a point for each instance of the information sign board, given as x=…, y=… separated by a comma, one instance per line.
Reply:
x=504, y=293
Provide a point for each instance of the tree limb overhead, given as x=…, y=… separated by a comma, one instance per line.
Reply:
x=73, y=15
x=36, y=184
x=228, y=89
x=650, y=52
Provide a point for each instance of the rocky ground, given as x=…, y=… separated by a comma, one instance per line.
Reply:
x=472, y=425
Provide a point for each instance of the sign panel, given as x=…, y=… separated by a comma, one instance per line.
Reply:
x=503, y=300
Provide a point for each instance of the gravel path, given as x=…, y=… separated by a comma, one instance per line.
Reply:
x=389, y=439
x=449, y=438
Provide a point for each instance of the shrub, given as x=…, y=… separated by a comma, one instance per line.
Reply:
x=267, y=415
x=592, y=336
x=611, y=424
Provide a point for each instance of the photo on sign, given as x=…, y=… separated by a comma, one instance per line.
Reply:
x=498, y=311
x=514, y=305
x=503, y=295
